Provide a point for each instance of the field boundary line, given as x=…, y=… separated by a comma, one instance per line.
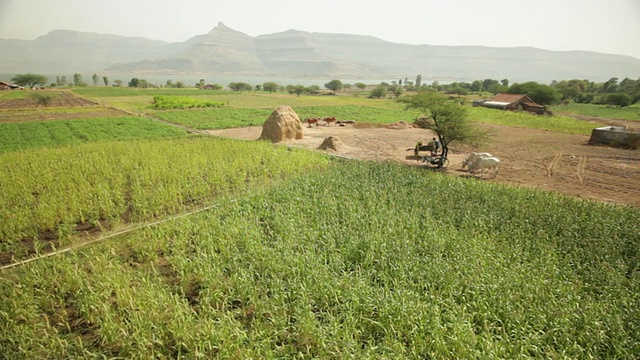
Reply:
x=109, y=236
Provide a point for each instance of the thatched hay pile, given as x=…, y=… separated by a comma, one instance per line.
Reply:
x=400, y=125
x=282, y=124
x=331, y=143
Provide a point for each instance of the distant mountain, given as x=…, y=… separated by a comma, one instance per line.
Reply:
x=224, y=51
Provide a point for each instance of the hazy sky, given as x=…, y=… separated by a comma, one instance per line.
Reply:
x=611, y=26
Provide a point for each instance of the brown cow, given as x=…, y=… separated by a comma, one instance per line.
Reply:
x=329, y=120
x=311, y=121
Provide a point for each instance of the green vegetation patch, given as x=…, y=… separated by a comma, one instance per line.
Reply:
x=362, y=261
x=53, y=190
x=604, y=111
x=183, y=102
x=120, y=91
x=15, y=94
x=219, y=118
x=562, y=124
x=238, y=117
x=27, y=135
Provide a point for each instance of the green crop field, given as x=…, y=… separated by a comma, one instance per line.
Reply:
x=625, y=113
x=15, y=94
x=563, y=124
x=216, y=248
x=26, y=135
x=361, y=261
x=238, y=117
x=53, y=189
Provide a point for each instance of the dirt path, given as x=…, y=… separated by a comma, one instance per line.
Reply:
x=532, y=158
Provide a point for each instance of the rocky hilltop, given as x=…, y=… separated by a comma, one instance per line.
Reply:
x=293, y=53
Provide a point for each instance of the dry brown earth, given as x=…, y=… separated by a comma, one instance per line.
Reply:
x=531, y=158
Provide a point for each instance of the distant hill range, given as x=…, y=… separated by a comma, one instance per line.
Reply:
x=301, y=54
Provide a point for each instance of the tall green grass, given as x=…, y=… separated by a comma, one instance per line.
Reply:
x=362, y=261
x=52, y=190
x=29, y=135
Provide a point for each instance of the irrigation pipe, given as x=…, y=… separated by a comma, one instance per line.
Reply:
x=108, y=236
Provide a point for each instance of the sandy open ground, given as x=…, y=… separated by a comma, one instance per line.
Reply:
x=532, y=158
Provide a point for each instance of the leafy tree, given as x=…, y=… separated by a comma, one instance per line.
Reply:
x=360, y=86
x=542, y=94
x=95, y=78
x=77, y=80
x=312, y=89
x=134, y=82
x=504, y=82
x=295, y=89
x=379, y=92
x=270, y=86
x=618, y=99
x=105, y=80
x=396, y=90
x=449, y=119
x=29, y=80
x=169, y=84
x=258, y=87
x=458, y=91
x=610, y=85
x=497, y=89
x=240, y=86
x=180, y=85
x=118, y=82
x=418, y=81
x=476, y=86
x=488, y=82
x=334, y=85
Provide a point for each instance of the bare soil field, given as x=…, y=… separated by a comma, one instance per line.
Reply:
x=60, y=99
x=532, y=158
x=24, y=110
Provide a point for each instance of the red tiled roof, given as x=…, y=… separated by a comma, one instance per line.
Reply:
x=509, y=98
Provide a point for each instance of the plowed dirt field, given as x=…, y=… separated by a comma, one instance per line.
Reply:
x=532, y=158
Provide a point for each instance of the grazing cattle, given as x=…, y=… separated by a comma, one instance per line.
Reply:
x=473, y=157
x=312, y=121
x=329, y=120
x=483, y=164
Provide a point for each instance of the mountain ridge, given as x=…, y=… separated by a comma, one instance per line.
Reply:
x=303, y=54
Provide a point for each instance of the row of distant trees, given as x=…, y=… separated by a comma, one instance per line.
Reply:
x=612, y=91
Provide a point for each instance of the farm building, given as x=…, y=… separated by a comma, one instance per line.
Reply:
x=5, y=85
x=514, y=102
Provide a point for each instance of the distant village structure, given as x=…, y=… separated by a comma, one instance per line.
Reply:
x=5, y=86
x=513, y=102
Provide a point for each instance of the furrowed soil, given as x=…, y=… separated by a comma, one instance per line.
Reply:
x=537, y=159
x=63, y=105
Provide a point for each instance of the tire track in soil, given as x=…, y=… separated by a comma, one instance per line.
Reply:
x=580, y=171
x=552, y=165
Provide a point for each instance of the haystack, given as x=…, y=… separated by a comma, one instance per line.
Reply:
x=331, y=143
x=282, y=124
